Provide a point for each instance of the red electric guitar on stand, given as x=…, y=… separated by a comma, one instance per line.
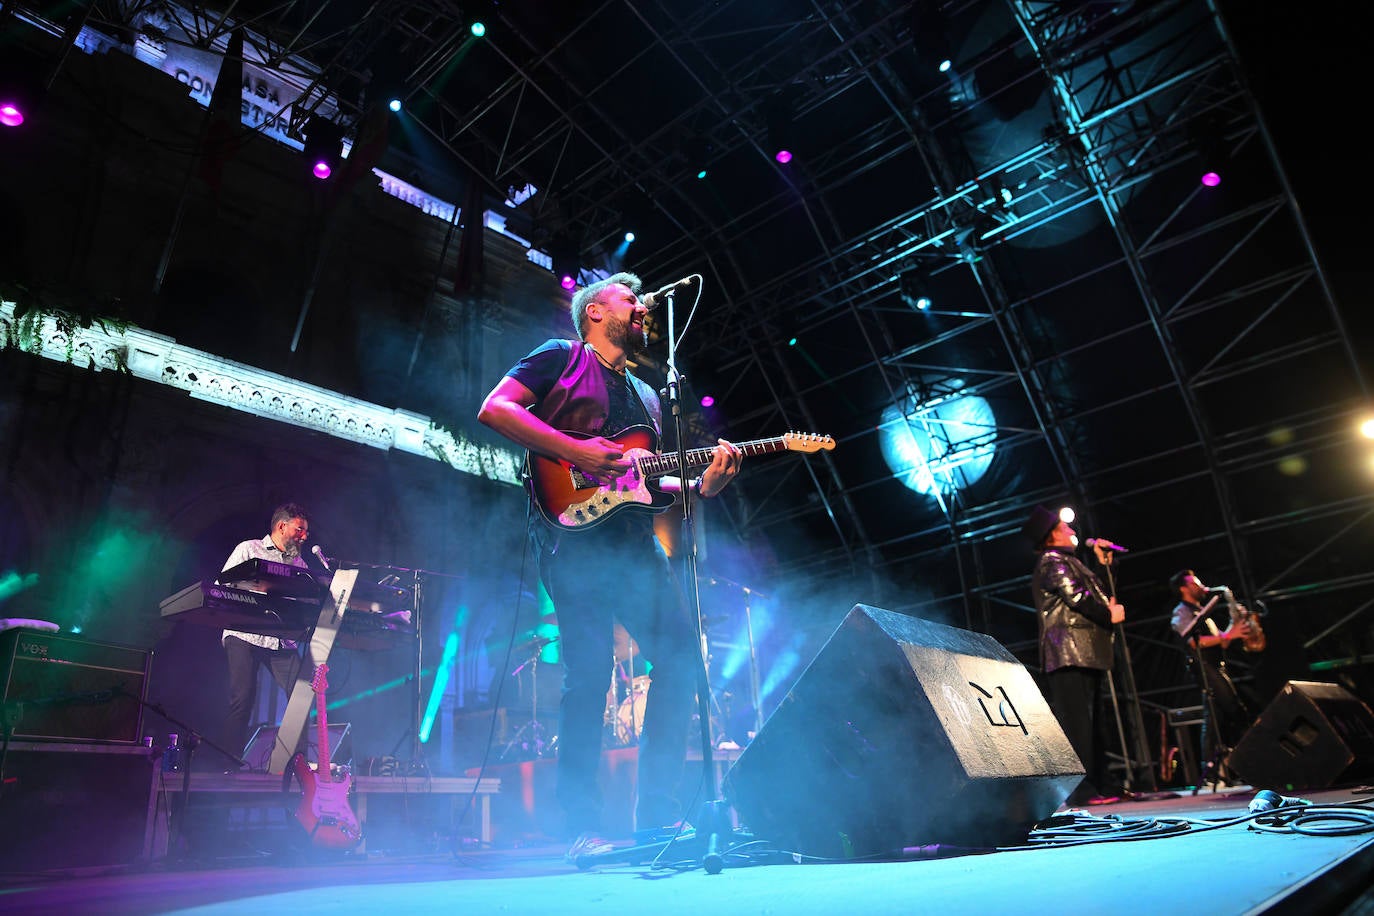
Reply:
x=324, y=810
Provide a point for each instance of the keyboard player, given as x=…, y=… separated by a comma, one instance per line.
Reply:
x=247, y=652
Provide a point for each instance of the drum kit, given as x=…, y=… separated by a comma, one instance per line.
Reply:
x=628, y=693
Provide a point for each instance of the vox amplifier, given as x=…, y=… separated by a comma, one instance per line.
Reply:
x=63, y=687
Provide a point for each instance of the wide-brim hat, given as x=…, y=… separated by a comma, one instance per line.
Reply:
x=1040, y=524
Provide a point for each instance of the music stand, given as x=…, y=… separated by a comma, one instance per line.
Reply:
x=1207, y=612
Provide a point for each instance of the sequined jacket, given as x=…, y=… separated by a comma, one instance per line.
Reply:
x=1075, y=620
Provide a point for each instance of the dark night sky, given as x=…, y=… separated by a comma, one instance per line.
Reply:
x=1310, y=80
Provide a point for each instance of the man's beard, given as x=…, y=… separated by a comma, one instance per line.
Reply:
x=291, y=550
x=620, y=333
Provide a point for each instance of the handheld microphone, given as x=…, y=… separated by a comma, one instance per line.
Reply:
x=1105, y=545
x=1268, y=800
x=319, y=555
x=651, y=300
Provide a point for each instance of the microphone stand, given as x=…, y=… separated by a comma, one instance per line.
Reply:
x=712, y=815
x=1129, y=761
x=710, y=822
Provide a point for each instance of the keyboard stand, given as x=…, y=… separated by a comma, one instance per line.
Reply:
x=302, y=696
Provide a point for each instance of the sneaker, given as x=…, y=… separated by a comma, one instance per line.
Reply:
x=586, y=846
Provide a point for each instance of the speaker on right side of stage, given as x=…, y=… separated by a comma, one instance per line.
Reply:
x=903, y=732
x=1312, y=735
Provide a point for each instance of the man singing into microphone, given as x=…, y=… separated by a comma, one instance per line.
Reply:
x=246, y=652
x=1076, y=618
x=612, y=570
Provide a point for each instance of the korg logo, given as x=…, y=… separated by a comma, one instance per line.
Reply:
x=33, y=649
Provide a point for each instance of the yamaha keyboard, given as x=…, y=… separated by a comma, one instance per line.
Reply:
x=367, y=625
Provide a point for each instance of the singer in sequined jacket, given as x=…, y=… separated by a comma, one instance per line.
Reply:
x=1075, y=617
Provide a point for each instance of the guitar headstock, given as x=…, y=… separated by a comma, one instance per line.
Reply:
x=807, y=442
x=318, y=682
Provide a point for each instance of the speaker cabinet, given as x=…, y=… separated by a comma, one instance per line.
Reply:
x=76, y=806
x=61, y=687
x=1312, y=735
x=904, y=732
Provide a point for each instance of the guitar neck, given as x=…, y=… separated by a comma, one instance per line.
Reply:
x=658, y=465
x=323, y=755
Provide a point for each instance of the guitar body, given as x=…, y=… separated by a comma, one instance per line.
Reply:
x=572, y=500
x=324, y=811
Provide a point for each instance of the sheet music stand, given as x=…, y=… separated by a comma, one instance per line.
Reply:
x=1208, y=612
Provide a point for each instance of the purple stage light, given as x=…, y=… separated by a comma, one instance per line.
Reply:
x=322, y=170
x=783, y=156
x=1211, y=179
x=567, y=282
x=10, y=114
x=708, y=401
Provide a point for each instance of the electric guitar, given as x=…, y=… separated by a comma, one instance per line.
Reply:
x=573, y=500
x=324, y=810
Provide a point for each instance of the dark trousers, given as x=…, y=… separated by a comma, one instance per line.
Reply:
x=594, y=579
x=244, y=660
x=1076, y=697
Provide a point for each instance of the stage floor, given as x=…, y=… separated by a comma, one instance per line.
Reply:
x=1217, y=864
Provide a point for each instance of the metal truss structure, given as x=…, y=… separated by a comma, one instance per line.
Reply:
x=1168, y=358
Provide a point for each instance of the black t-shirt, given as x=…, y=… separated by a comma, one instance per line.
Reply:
x=541, y=368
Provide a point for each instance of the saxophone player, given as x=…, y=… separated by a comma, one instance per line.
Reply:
x=1226, y=712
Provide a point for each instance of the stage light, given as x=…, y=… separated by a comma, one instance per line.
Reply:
x=1067, y=515
x=1367, y=428
x=913, y=287
x=708, y=401
x=629, y=236
x=777, y=116
x=21, y=86
x=323, y=146
x=945, y=65
x=567, y=281
x=942, y=441
x=478, y=29
x=1209, y=140
x=792, y=342
x=701, y=174
x=394, y=104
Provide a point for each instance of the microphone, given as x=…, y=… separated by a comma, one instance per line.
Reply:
x=1268, y=800
x=319, y=555
x=1105, y=545
x=651, y=300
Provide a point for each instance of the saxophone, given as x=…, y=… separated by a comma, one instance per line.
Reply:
x=1254, y=640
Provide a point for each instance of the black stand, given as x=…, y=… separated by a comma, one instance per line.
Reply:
x=1128, y=760
x=190, y=740
x=1210, y=762
x=707, y=844
x=530, y=736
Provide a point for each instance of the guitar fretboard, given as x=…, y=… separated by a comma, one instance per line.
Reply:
x=697, y=457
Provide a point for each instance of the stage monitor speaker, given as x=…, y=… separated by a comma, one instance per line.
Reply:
x=63, y=687
x=76, y=806
x=1312, y=735
x=904, y=732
